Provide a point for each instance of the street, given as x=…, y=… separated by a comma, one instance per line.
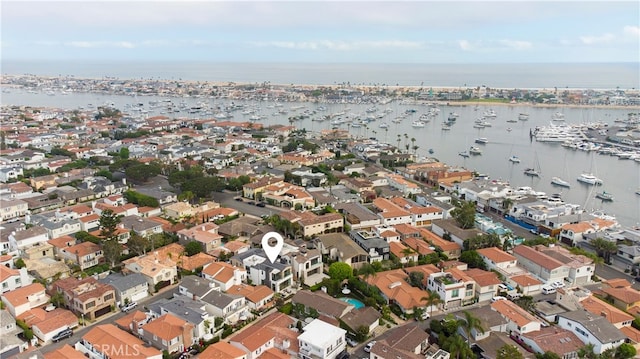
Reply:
x=227, y=199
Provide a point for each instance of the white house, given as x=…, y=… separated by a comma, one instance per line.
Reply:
x=321, y=340
x=592, y=329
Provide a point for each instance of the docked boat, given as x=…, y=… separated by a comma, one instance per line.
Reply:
x=446, y=126
x=589, y=178
x=604, y=196
x=384, y=125
x=514, y=159
x=523, y=116
x=482, y=140
x=560, y=182
x=558, y=116
x=464, y=154
x=417, y=124
x=491, y=113
x=532, y=172
x=475, y=150
x=512, y=120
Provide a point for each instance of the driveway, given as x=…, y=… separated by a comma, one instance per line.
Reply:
x=227, y=199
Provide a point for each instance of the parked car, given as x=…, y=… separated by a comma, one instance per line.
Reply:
x=260, y=204
x=367, y=348
x=497, y=298
x=239, y=199
x=557, y=284
x=548, y=290
x=251, y=202
x=514, y=296
x=67, y=333
x=128, y=307
x=352, y=342
x=343, y=355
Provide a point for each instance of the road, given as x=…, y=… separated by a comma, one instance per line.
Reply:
x=227, y=199
x=166, y=293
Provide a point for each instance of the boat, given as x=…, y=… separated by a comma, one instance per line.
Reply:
x=475, y=150
x=482, y=140
x=560, y=182
x=508, y=129
x=384, y=125
x=589, y=178
x=417, y=124
x=531, y=172
x=431, y=151
x=512, y=120
x=514, y=159
x=523, y=116
x=604, y=196
x=464, y=154
x=638, y=191
x=490, y=113
x=446, y=126
x=558, y=116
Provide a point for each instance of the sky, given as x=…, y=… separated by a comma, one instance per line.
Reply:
x=322, y=31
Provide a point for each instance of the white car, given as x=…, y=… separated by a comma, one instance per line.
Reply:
x=367, y=348
x=128, y=307
x=497, y=298
x=557, y=284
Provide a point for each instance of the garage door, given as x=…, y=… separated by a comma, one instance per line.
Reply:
x=136, y=297
x=102, y=311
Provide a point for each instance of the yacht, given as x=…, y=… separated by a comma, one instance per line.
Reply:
x=558, y=116
x=464, y=154
x=482, y=140
x=514, y=159
x=531, y=172
x=604, y=196
x=490, y=113
x=589, y=178
x=560, y=182
x=523, y=116
x=475, y=150
x=383, y=125
x=417, y=124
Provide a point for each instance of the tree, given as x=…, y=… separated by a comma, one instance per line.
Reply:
x=465, y=214
x=108, y=224
x=586, y=352
x=112, y=251
x=193, y=248
x=509, y=351
x=457, y=347
x=340, y=271
x=548, y=355
x=431, y=300
x=138, y=244
x=416, y=278
x=56, y=299
x=625, y=351
x=473, y=259
x=604, y=248
x=186, y=196
x=124, y=153
x=469, y=323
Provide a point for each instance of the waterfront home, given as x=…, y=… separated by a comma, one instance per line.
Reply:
x=169, y=333
x=107, y=340
x=86, y=296
x=541, y=265
x=25, y=298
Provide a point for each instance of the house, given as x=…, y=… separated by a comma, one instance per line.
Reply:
x=547, y=268
x=366, y=317
x=64, y=352
x=169, y=333
x=25, y=298
x=449, y=227
x=277, y=275
x=490, y=320
x=255, y=189
x=10, y=173
x=377, y=248
x=85, y=254
x=624, y=298
x=395, y=289
x=526, y=283
x=129, y=288
x=519, y=321
x=454, y=287
x=46, y=324
x=163, y=197
x=228, y=306
x=451, y=249
x=159, y=273
x=192, y=311
x=140, y=225
x=614, y=315
x=222, y=350
x=12, y=208
x=581, y=268
x=496, y=258
x=257, y=297
x=224, y=275
x=591, y=329
x=313, y=224
x=206, y=234
x=358, y=216
x=28, y=237
x=486, y=283
x=406, y=341
x=404, y=253
x=108, y=341
x=306, y=264
x=321, y=340
x=322, y=303
x=86, y=296
x=12, y=279
x=339, y=247
x=563, y=342
x=272, y=331
x=10, y=344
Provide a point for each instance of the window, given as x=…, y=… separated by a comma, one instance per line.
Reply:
x=455, y=293
x=90, y=305
x=108, y=297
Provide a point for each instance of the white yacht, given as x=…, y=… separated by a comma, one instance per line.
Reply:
x=514, y=159
x=482, y=140
x=523, y=116
x=560, y=182
x=417, y=124
x=589, y=178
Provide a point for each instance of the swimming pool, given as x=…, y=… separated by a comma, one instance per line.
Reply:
x=356, y=303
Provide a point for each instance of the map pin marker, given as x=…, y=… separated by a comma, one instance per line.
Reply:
x=272, y=251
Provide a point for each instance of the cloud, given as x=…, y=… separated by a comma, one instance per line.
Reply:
x=602, y=39
x=100, y=44
x=492, y=45
x=632, y=30
x=516, y=44
x=465, y=45
x=341, y=45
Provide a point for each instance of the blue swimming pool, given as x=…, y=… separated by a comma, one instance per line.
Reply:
x=356, y=303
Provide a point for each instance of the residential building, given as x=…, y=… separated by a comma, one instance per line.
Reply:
x=486, y=283
x=129, y=288
x=395, y=288
x=206, y=234
x=277, y=275
x=547, y=268
x=222, y=350
x=272, y=331
x=454, y=288
x=581, y=268
x=592, y=329
x=623, y=298
x=108, y=341
x=12, y=208
x=224, y=275
x=323, y=303
x=306, y=264
x=159, y=273
x=140, y=225
x=25, y=298
x=519, y=321
x=358, y=216
x=339, y=247
x=321, y=340
x=496, y=258
x=407, y=341
x=46, y=324
x=85, y=254
x=169, y=333
x=86, y=296
x=257, y=297
x=12, y=279
x=376, y=248
x=560, y=341
x=26, y=238
x=192, y=311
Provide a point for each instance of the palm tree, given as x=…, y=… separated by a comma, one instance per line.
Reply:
x=458, y=347
x=604, y=248
x=398, y=140
x=470, y=323
x=430, y=300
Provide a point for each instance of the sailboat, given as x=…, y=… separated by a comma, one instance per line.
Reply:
x=535, y=170
x=604, y=196
x=558, y=181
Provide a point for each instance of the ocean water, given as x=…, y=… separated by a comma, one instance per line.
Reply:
x=534, y=75
x=621, y=177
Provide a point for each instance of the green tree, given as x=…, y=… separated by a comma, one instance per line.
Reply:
x=112, y=252
x=465, y=214
x=19, y=263
x=470, y=323
x=57, y=299
x=124, y=153
x=108, y=224
x=473, y=259
x=586, y=352
x=106, y=174
x=457, y=347
x=509, y=351
x=340, y=271
x=431, y=300
x=548, y=355
x=604, y=248
x=186, y=196
x=138, y=244
x=193, y=248
x=141, y=173
x=366, y=271
x=416, y=279
x=625, y=351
